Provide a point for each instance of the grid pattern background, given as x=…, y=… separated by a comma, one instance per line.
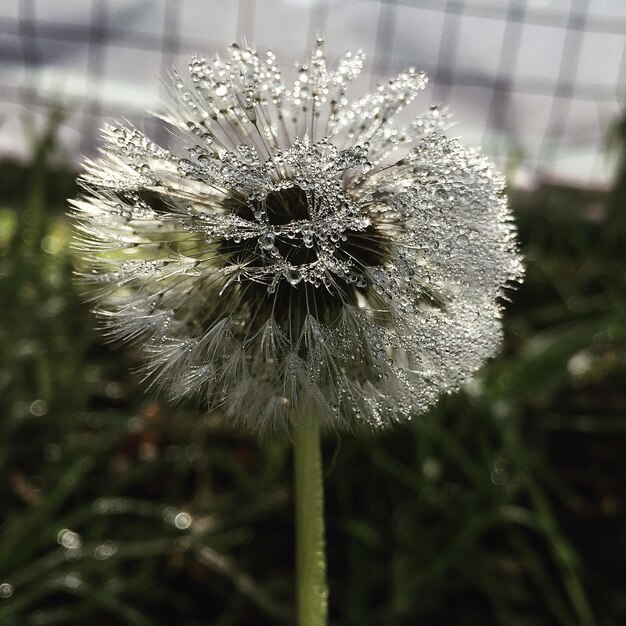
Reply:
x=537, y=82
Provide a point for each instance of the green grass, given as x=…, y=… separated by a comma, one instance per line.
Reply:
x=505, y=505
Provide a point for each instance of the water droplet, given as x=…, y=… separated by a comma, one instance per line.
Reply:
x=6, y=590
x=69, y=539
x=267, y=241
x=39, y=408
x=182, y=521
x=183, y=543
x=105, y=550
x=293, y=276
x=73, y=580
x=499, y=476
x=378, y=275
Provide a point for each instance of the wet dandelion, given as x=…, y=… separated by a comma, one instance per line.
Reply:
x=302, y=249
x=299, y=258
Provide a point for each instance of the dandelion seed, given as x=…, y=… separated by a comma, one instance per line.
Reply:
x=299, y=249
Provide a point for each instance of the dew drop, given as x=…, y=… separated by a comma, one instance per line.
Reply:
x=105, y=550
x=267, y=241
x=181, y=520
x=293, y=276
x=73, y=580
x=69, y=539
x=39, y=407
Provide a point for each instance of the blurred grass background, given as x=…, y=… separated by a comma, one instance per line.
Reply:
x=505, y=505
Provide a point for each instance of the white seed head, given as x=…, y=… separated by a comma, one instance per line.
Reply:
x=299, y=251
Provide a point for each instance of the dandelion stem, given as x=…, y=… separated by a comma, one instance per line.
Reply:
x=311, y=592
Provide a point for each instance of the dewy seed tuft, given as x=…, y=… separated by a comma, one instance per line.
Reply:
x=298, y=249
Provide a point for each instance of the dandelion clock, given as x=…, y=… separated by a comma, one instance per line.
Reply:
x=300, y=261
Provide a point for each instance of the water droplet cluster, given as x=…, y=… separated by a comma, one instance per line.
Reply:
x=299, y=251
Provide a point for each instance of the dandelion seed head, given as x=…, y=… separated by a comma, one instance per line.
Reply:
x=299, y=252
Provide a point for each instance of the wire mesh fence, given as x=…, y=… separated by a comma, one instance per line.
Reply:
x=536, y=82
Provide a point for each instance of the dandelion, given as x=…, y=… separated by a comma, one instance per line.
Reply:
x=298, y=260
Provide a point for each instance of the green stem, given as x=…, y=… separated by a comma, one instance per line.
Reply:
x=311, y=593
